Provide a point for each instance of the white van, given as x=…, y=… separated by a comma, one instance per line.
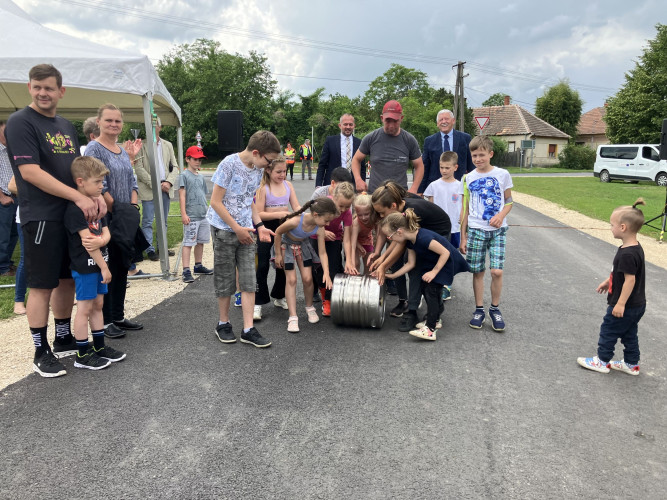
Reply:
x=633, y=162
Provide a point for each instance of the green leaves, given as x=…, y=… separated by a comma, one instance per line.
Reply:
x=560, y=106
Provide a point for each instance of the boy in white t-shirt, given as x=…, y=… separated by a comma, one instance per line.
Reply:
x=447, y=193
x=488, y=200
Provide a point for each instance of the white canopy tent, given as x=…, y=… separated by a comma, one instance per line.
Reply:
x=93, y=75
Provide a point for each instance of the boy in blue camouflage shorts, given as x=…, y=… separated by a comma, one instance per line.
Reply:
x=234, y=221
x=487, y=201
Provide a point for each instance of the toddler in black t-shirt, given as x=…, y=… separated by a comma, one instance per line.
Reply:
x=626, y=298
x=88, y=253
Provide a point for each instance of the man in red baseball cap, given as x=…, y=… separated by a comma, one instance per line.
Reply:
x=391, y=150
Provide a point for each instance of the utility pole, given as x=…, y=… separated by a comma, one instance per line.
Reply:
x=459, y=96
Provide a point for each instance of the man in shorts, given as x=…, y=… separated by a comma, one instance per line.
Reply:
x=42, y=146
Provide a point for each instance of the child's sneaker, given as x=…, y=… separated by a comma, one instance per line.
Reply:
x=293, y=324
x=90, y=360
x=312, y=315
x=326, y=308
x=255, y=338
x=477, y=319
x=110, y=353
x=421, y=324
x=280, y=303
x=424, y=333
x=257, y=313
x=200, y=269
x=498, y=323
x=594, y=364
x=446, y=292
x=400, y=309
x=187, y=276
x=624, y=367
x=225, y=333
x=237, y=299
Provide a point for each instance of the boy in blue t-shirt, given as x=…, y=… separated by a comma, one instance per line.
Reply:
x=192, y=198
x=487, y=201
x=88, y=253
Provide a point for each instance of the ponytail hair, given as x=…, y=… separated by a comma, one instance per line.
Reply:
x=320, y=206
x=266, y=176
x=631, y=215
x=407, y=220
x=389, y=192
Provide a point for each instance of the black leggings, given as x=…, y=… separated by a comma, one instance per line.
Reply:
x=434, y=306
x=263, y=266
x=290, y=169
x=114, y=301
x=334, y=251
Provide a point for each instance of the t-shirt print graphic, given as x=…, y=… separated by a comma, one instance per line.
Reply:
x=485, y=193
x=60, y=143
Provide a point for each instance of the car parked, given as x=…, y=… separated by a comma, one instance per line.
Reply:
x=630, y=162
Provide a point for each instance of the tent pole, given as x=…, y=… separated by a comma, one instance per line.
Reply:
x=179, y=139
x=151, y=150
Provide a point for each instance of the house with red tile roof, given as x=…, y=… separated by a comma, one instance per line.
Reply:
x=592, y=129
x=514, y=124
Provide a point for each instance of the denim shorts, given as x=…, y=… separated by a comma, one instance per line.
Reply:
x=479, y=241
x=89, y=285
x=228, y=256
x=197, y=232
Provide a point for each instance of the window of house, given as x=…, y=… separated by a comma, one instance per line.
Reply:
x=511, y=147
x=552, y=151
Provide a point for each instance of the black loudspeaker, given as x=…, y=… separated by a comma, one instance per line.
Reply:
x=230, y=131
x=663, y=141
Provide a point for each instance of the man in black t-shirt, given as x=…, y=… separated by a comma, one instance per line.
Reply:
x=41, y=148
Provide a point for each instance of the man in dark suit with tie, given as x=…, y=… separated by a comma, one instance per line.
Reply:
x=446, y=139
x=338, y=151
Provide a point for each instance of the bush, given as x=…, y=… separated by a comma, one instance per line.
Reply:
x=576, y=157
x=499, y=145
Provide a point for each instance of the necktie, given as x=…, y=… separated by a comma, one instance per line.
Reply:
x=445, y=144
x=348, y=153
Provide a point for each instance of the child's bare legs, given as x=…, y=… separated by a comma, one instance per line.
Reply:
x=186, y=256
x=290, y=291
x=496, y=286
x=84, y=311
x=199, y=253
x=308, y=285
x=223, y=306
x=248, y=307
x=478, y=288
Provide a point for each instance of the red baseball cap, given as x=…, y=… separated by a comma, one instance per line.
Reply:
x=195, y=152
x=392, y=110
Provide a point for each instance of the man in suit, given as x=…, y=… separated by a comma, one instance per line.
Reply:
x=167, y=170
x=446, y=139
x=338, y=151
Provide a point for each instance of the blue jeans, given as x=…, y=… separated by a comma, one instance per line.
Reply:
x=147, y=216
x=624, y=328
x=8, y=235
x=21, y=286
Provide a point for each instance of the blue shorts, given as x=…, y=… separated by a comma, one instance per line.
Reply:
x=479, y=241
x=455, y=239
x=89, y=286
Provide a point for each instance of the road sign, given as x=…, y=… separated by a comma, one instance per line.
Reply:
x=528, y=144
x=482, y=121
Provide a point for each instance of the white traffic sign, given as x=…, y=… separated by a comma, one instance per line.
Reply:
x=482, y=121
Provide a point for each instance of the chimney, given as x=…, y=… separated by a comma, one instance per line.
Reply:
x=507, y=101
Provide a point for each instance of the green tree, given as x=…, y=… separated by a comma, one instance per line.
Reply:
x=203, y=78
x=397, y=83
x=497, y=99
x=560, y=106
x=635, y=113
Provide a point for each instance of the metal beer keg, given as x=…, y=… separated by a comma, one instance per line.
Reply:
x=357, y=301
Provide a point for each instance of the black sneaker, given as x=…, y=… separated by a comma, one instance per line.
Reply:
x=187, y=277
x=171, y=253
x=253, y=337
x=110, y=353
x=126, y=324
x=225, y=333
x=48, y=366
x=400, y=309
x=113, y=332
x=409, y=322
x=316, y=296
x=64, y=350
x=152, y=256
x=202, y=270
x=90, y=360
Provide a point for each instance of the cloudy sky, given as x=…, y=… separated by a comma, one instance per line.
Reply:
x=518, y=47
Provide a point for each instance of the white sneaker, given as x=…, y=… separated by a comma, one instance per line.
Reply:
x=312, y=315
x=594, y=364
x=438, y=324
x=424, y=333
x=624, y=367
x=257, y=313
x=293, y=324
x=280, y=303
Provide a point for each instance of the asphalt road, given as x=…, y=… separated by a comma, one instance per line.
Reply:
x=347, y=413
